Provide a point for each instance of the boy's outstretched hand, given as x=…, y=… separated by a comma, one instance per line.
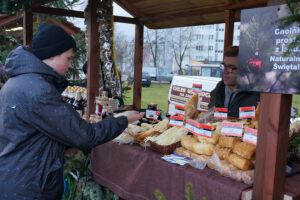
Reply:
x=133, y=115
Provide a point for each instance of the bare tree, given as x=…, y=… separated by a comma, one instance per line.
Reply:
x=156, y=40
x=121, y=48
x=181, y=42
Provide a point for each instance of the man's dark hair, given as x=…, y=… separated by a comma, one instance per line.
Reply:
x=232, y=51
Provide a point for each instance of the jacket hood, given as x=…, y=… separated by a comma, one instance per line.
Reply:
x=22, y=61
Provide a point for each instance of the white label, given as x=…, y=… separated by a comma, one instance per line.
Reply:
x=247, y=112
x=179, y=110
x=250, y=136
x=221, y=115
x=176, y=122
x=199, y=129
x=232, y=129
x=193, y=129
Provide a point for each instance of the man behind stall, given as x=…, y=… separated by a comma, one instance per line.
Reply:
x=226, y=94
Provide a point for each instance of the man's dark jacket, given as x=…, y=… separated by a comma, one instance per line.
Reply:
x=242, y=99
x=36, y=126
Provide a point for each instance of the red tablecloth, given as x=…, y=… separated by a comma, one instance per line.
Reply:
x=134, y=173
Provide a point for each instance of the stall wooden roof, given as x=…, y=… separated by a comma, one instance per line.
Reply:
x=158, y=14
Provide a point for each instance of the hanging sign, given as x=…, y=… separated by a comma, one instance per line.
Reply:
x=263, y=63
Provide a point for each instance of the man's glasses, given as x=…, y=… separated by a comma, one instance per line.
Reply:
x=228, y=68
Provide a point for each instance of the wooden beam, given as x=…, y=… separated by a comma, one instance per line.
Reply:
x=127, y=20
x=9, y=18
x=229, y=28
x=93, y=56
x=27, y=27
x=272, y=144
x=58, y=11
x=129, y=8
x=200, y=11
x=138, y=65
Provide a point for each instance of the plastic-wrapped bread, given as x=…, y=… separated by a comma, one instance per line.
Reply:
x=190, y=107
x=248, y=177
x=202, y=158
x=222, y=152
x=239, y=162
x=188, y=141
x=201, y=148
x=183, y=152
x=134, y=129
x=213, y=140
x=147, y=126
x=179, y=150
x=226, y=168
x=236, y=175
x=157, y=129
x=244, y=149
x=228, y=141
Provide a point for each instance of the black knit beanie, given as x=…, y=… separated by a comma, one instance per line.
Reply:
x=51, y=40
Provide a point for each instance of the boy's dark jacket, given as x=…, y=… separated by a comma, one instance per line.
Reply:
x=242, y=99
x=36, y=126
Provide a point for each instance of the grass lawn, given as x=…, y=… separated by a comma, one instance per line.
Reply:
x=156, y=93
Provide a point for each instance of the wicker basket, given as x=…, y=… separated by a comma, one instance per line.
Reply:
x=164, y=149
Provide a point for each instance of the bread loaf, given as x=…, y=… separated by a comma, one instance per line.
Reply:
x=190, y=107
x=222, y=152
x=228, y=141
x=239, y=162
x=213, y=140
x=201, y=148
x=244, y=149
x=188, y=141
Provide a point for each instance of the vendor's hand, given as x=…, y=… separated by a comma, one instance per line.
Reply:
x=133, y=115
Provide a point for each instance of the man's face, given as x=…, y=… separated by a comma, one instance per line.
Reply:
x=61, y=63
x=230, y=71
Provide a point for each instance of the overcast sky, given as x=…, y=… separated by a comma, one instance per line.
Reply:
x=127, y=29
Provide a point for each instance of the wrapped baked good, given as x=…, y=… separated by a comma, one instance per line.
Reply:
x=190, y=107
x=188, y=141
x=228, y=141
x=239, y=162
x=236, y=175
x=222, y=152
x=156, y=130
x=226, y=168
x=212, y=140
x=244, y=149
x=201, y=158
x=201, y=148
x=179, y=150
x=147, y=126
x=248, y=177
x=134, y=129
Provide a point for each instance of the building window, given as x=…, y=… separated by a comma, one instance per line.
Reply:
x=199, y=37
x=211, y=37
x=199, y=47
x=210, y=48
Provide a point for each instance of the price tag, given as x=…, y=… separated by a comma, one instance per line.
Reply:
x=250, y=136
x=179, y=110
x=197, y=88
x=125, y=131
x=176, y=121
x=220, y=113
x=152, y=114
x=247, y=112
x=198, y=129
x=232, y=129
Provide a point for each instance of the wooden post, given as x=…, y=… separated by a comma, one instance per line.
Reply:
x=93, y=56
x=229, y=28
x=138, y=65
x=272, y=144
x=27, y=27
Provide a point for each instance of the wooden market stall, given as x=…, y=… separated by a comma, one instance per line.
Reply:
x=158, y=14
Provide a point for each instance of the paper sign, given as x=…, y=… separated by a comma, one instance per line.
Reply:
x=152, y=114
x=198, y=129
x=176, y=121
x=247, y=112
x=220, y=113
x=179, y=110
x=232, y=129
x=250, y=136
x=197, y=88
x=203, y=100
